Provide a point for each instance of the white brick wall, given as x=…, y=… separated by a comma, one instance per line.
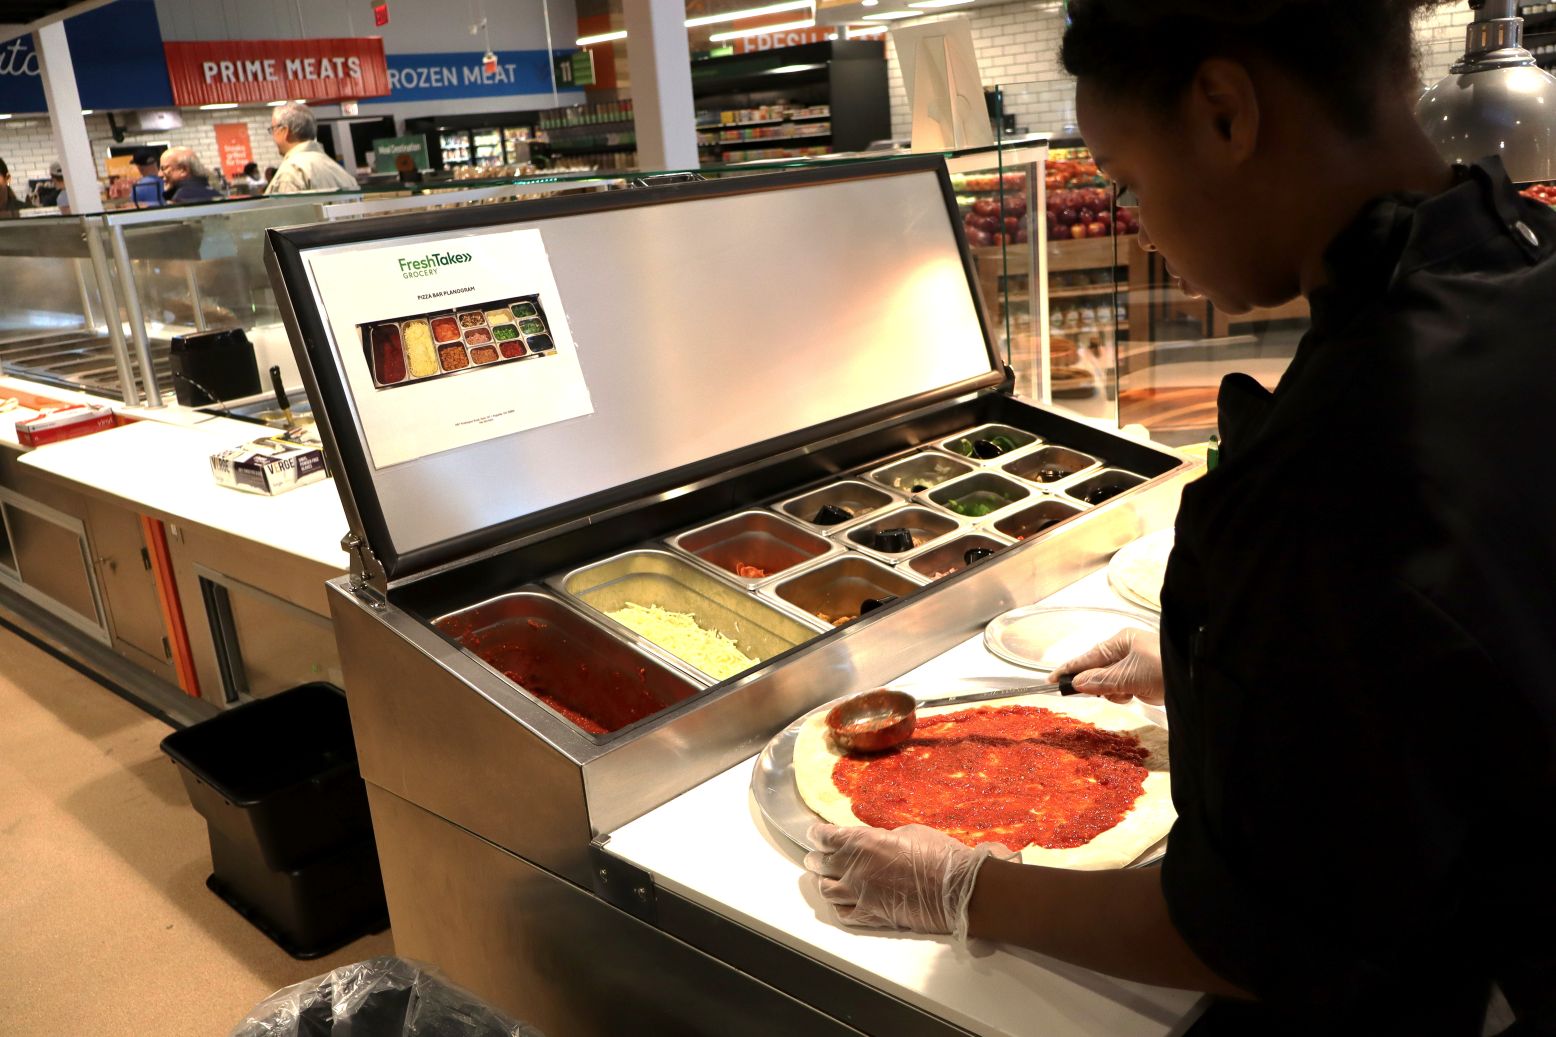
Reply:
x=27, y=143
x=1018, y=46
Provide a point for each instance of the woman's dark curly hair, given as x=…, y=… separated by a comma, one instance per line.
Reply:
x=1345, y=51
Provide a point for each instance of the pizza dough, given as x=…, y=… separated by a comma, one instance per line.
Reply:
x=1147, y=822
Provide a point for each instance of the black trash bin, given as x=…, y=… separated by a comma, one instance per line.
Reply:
x=291, y=839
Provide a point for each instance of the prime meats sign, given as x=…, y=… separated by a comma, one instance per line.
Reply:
x=257, y=71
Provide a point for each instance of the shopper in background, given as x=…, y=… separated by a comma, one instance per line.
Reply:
x=48, y=193
x=1362, y=698
x=10, y=205
x=249, y=181
x=304, y=164
x=186, y=177
x=146, y=192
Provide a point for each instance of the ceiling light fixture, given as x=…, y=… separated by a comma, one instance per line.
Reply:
x=87, y=111
x=925, y=4
x=782, y=69
x=604, y=37
x=887, y=16
x=868, y=3
x=855, y=32
x=751, y=12
x=218, y=107
x=735, y=34
x=274, y=104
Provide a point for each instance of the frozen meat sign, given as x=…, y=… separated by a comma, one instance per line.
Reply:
x=444, y=344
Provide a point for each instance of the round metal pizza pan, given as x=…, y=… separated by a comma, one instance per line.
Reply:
x=1138, y=568
x=778, y=797
x=1041, y=637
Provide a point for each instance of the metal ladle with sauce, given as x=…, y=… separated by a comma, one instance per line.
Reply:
x=875, y=721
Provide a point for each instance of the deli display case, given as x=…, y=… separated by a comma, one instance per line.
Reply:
x=587, y=579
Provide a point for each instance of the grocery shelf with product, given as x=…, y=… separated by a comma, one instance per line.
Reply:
x=493, y=140
x=813, y=99
x=588, y=136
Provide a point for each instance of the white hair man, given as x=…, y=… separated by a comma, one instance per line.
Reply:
x=304, y=164
x=186, y=177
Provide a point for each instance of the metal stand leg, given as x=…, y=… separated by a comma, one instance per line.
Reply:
x=111, y=317
x=121, y=255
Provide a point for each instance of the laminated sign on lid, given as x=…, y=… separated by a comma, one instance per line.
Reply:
x=256, y=71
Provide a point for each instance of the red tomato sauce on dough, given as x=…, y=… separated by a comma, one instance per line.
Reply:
x=1018, y=775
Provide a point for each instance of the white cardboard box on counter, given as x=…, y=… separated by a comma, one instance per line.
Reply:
x=270, y=465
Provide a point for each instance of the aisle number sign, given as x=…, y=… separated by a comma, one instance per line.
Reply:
x=257, y=71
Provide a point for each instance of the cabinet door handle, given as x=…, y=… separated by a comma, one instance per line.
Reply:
x=145, y=559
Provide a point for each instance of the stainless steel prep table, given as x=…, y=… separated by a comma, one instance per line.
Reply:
x=493, y=811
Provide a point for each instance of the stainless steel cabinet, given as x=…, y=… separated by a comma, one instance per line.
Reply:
x=129, y=587
x=53, y=562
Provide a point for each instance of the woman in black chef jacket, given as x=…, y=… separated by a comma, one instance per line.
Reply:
x=1358, y=648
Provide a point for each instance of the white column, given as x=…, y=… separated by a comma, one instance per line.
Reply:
x=662, y=110
x=64, y=102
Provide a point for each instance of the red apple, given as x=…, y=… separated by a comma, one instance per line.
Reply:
x=1078, y=231
x=1085, y=216
x=1011, y=223
x=1053, y=224
x=986, y=207
x=1096, y=230
x=1067, y=217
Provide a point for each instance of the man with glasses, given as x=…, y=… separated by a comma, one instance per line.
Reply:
x=304, y=164
x=186, y=177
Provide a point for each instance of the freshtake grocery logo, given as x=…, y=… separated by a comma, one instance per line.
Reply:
x=432, y=263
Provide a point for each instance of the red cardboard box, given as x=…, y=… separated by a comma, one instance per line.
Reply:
x=65, y=423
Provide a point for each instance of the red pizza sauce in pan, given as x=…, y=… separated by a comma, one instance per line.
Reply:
x=1018, y=775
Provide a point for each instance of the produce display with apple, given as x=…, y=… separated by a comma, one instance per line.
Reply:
x=1080, y=205
x=1541, y=193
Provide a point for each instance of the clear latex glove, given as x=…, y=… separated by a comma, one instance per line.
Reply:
x=912, y=877
x=1126, y=666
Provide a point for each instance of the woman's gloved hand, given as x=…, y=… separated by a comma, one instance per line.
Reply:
x=912, y=877
x=1126, y=666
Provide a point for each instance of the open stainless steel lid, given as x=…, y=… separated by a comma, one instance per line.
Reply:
x=488, y=372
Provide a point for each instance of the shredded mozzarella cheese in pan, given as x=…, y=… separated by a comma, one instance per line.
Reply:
x=679, y=634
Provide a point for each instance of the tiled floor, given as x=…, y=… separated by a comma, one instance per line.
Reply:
x=106, y=926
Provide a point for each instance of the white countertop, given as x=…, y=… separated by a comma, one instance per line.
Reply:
x=162, y=465
x=712, y=846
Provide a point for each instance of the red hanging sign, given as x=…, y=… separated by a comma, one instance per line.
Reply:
x=256, y=71
x=381, y=13
x=233, y=147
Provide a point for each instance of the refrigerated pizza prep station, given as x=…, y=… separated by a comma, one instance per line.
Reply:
x=766, y=457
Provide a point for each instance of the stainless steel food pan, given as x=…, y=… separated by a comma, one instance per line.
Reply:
x=754, y=540
x=1103, y=486
x=982, y=490
x=834, y=591
x=945, y=559
x=660, y=578
x=1030, y=521
x=860, y=499
x=963, y=446
x=566, y=662
x=924, y=527
x=927, y=469
x=1051, y=464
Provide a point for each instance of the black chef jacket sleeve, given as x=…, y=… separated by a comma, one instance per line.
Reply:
x=1334, y=771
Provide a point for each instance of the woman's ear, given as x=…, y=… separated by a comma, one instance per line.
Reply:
x=1223, y=105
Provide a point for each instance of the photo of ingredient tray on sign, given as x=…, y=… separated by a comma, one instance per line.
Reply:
x=430, y=345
